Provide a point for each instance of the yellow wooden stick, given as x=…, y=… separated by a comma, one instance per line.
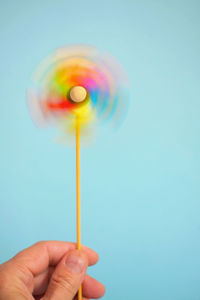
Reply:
x=78, y=199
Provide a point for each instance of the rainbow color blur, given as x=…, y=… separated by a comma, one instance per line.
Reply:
x=79, y=65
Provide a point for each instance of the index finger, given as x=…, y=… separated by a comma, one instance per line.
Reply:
x=41, y=255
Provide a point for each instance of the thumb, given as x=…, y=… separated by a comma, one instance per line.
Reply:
x=67, y=277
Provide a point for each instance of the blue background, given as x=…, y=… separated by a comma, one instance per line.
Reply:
x=140, y=185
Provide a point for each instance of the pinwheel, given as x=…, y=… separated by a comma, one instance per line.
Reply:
x=76, y=87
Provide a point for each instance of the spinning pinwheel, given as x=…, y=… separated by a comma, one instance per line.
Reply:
x=76, y=87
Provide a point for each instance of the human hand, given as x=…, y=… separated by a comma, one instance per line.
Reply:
x=49, y=270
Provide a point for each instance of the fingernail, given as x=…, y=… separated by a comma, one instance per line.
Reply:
x=75, y=263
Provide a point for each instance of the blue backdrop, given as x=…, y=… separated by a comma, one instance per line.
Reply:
x=148, y=171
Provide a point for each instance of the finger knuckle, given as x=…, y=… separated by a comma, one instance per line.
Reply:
x=63, y=281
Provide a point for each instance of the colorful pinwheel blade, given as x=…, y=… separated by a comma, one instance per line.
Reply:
x=84, y=66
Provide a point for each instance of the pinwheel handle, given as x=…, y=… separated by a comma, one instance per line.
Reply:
x=78, y=198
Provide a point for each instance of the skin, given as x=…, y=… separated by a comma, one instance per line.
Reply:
x=41, y=272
